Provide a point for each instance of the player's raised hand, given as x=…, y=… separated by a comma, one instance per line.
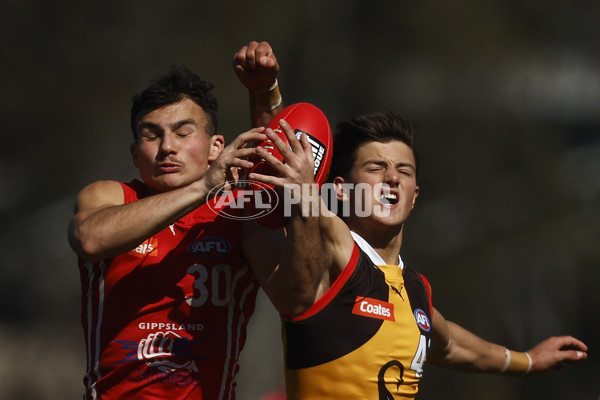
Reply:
x=256, y=66
x=295, y=164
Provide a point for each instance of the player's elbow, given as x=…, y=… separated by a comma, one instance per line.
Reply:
x=439, y=353
x=85, y=246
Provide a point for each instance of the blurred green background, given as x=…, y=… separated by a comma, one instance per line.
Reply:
x=504, y=96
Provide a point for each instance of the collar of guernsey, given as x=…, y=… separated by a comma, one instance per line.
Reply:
x=366, y=247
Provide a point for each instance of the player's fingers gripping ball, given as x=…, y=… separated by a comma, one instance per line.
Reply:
x=302, y=118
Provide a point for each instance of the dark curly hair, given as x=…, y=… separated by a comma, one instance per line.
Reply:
x=381, y=127
x=177, y=84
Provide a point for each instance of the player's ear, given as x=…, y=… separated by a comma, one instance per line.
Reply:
x=341, y=194
x=414, y=199
x=216, y=145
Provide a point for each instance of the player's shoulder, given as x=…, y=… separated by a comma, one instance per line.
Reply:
x=102, y=185
x=103, y=191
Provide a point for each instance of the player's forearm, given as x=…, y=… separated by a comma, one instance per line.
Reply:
x=467, y=352
x=470, y=353
x=109, y=231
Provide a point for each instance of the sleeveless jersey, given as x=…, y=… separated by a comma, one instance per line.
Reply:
x=167, y=320
x=366, y=338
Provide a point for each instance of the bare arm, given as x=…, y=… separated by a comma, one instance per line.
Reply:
x=457, y=348
x=308, y=264
x=291, y=267
x=256, y=67
x=103, y=226
x=286, y=276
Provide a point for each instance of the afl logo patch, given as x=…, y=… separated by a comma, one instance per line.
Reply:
x=210, y=246
x=422, y=320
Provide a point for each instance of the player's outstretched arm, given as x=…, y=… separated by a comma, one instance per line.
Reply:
x=455, y=347
x=309, y=263
x=104, y=226
x=256, y=67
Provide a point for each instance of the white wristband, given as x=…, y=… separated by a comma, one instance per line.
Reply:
x=270, y=106
x=267, y=99
x=530, y=363
x=270, y=88
x=507, y=362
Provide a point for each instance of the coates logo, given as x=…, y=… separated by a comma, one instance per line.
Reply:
x=373, y=308
x=318, y=149
x=261, y=198
x=210, y=246
x=422, y=320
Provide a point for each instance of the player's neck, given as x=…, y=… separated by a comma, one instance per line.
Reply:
x=385, y=243
x=389, y=251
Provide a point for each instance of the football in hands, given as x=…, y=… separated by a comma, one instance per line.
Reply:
x=303, y=118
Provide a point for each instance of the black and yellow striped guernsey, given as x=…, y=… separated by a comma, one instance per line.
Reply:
x=366, y=338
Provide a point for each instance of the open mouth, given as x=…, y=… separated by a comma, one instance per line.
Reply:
x=388, y=199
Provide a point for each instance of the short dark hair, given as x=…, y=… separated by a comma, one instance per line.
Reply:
x=381, y=127
x=177, y=84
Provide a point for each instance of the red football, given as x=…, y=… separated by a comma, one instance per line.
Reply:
x=303, y=118
x=307, y=118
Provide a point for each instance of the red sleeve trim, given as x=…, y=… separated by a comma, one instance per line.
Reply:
x=428, y=287
x=333, y=290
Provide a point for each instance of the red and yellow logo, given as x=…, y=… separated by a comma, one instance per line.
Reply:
x=373, y=308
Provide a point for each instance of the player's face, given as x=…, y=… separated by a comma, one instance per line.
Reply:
x=389, y=170
x=173, y=148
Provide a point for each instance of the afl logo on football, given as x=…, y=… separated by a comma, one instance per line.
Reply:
x=422, y=320
x=210, y=246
